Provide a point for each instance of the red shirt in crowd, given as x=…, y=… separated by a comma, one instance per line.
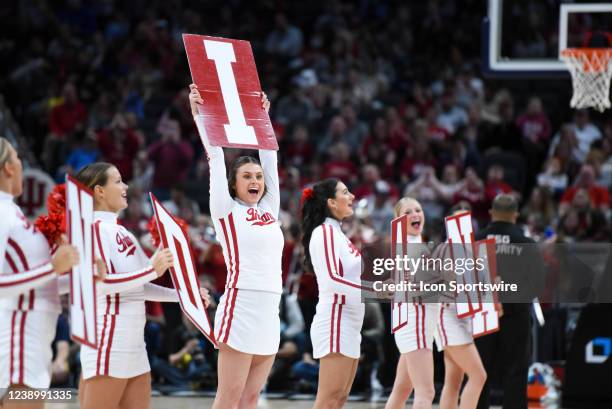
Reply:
x=599, y=195
x=64, y=118
x=172, y=162
x=119, y=151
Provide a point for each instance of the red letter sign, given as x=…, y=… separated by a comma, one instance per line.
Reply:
x=225, y=73
x=79, y=220
x=183, y=272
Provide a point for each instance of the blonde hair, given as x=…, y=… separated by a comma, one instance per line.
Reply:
x=5, y=151
x=400, y=203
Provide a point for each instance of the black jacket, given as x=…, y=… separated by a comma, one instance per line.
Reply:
x=519, y=261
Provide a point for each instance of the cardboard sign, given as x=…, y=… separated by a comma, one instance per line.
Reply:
x=486, y=321
x=183, y=272
x=225, y=73
x=460, y=235
x=79, y=225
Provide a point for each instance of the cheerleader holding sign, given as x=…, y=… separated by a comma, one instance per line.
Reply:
x=245, y=210
x=30, y=305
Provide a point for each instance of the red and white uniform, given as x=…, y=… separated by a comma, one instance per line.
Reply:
x=247, y=318
x=121, y=299
x=450, y=329
x=416, y=321
x=30, y=304
x=336, y=326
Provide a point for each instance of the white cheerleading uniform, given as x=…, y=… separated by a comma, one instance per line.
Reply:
x=336, y=326
x=29, y=306
x=450, y=329
x=121, y=317
x=247, y=317
x=414, y=321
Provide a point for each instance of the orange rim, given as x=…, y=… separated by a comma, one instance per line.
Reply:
x=593, y=59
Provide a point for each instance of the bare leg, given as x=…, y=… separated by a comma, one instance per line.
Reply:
x=137, y=393
x=421, y=372
x=336, y=375
x=453, y=377
x=467, y=358
x=233, y=370
x=102, y=392
x=402, y=386
x=258, y=373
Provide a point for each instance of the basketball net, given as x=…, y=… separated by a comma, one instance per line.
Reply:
x=591, y=70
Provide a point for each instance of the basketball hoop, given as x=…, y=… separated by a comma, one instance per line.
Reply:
x=591, y=70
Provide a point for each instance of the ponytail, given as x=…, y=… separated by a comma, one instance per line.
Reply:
x=314, y=212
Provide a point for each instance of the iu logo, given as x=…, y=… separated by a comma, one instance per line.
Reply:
x=598, y=350
x=126, y=245
x=36, y=187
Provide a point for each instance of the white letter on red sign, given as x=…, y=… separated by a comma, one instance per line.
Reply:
x=237, y=131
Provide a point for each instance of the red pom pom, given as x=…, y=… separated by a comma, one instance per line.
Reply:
x=152, y=227
x=56, y=200
x=52, y=227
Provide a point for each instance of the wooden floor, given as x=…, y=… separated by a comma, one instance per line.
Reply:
x=206, y=403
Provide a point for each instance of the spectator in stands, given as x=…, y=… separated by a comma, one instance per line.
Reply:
x=451, y=116
x=581, y=222
x=599, y=196
x=119, y=143
x=541, y=206
x=84, y=151
x=504, y=136
x=586, y=132
x=534, y=123
x=172, y=158
x=300, y=149
x=495, y=182
x=553, y=177
x=336, y=133
x=471, y=189
x=69, y=114
x=369, y=176
x=340, y=164
x=285, y=40
x=380, y=206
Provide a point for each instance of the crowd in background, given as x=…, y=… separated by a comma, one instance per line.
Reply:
x=371, y=92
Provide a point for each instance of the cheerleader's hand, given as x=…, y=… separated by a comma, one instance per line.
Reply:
x=65, y=258
x=100, y=271
x=162, y=261
x=205, y=294
x=265, y=102
x=195, y=99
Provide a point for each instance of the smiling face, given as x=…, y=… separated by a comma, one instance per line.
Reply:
x=112, y=196
x=416, y=217
x=341, y=206
x=250, y=186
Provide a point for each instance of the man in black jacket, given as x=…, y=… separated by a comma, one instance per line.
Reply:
x=518, y=261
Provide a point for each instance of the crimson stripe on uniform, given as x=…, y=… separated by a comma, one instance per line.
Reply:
x=236, y=254
x=338, y=325
x=231, y=316
x=11, y=366
x=331, y=275
x=416, y=309
x=99, y=241
x=227, y=301
x=103, y=334
x=111, y=332
x=423, y=325
x=111, y=280
x=333, y=249
x=25, y=280
x=331, y=338
x=442, y=325
x=229, y=252
x=21, y=346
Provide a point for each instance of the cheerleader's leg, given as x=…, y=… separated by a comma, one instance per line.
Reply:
x=258, y=374
x=335, y=373
x=232, y=371
x=402, y=386
x=453, y=378
x=101, y=392
x=137, y=393
x=421, y=371
x=467, y=358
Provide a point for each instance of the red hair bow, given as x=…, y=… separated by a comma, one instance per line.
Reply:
x=306, y=195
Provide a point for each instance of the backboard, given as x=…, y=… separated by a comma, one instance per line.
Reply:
x=523, y=38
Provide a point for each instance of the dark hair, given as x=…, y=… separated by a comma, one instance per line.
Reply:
x=94, y=174
x=231, y=182
x=314, y=212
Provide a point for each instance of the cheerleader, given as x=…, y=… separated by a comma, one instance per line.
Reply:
x=28, y=284
x=245, y=211
x=454, y=336
x=415, y=338
x=117, y=373
x=336, y=327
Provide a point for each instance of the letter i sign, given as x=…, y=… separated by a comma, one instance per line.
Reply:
x=225, y=73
